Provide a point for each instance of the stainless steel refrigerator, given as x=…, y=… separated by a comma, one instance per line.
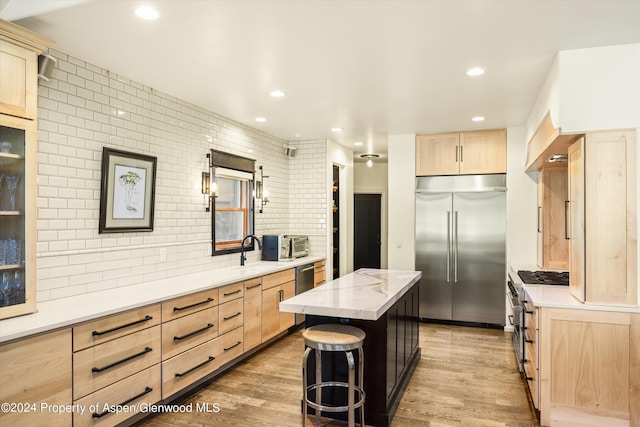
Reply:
x=460, y=247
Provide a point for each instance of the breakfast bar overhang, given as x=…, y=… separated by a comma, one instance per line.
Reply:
x=384, y=304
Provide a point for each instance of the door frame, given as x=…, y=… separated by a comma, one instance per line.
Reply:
x=383, y=221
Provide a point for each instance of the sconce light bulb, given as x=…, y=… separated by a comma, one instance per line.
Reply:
x=370, y=163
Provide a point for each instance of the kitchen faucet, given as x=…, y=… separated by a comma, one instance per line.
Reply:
x=254, y=238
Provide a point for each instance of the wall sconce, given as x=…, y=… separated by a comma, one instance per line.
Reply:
x=262, y=196
x=209, y=184
x=369, y=158
x=290, y=151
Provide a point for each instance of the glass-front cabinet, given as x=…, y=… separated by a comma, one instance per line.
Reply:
x=17, y=216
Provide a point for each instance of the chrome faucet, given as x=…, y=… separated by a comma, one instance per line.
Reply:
x=255, y=239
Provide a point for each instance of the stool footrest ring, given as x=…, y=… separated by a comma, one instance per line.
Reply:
x=331, y=408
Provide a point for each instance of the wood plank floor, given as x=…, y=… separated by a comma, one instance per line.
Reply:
x=466, y=377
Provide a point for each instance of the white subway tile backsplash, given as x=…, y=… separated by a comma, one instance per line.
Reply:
x=78, y=116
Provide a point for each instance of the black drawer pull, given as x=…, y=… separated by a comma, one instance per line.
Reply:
x=126, y=359
x=235, y=345
x=209, y=360
x=528, y=312
x=147, y=390
x=232, y=316
x=98, y=333
x=530, y=378
x=232, y=293
x=208, y=300
x=209, y=326
x=529, y=341
x=254, y=286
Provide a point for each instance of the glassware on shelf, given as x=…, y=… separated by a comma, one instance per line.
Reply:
x=18, y=285
x=5, y=147
x=2, y=175
x=5, y=290
x=12, y=185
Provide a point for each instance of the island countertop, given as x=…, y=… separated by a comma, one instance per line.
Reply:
x=365, y=294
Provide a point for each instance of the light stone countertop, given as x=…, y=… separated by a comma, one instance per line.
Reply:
x=60, y=313
x=554, y=296
x=365, y=294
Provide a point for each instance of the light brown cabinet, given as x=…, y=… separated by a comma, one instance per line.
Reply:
x=589, y=367
x=276, y=288
x=36, y=371
x=531, y=360
x=19, y=49
x=319, y=273
x=553, y=244
x=465, y=153
x=252, y=313
x=603, y=218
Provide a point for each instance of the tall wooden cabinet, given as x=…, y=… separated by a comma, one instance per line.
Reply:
x=19, y=49
x=603, y=218
x=553, y=243
x=465, y=153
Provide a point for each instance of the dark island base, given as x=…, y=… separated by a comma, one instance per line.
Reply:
x=391, y=354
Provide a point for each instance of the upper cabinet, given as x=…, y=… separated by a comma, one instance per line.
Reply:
x=19, y=51
x=553, y=243
x=603, y=218
x=465, y=153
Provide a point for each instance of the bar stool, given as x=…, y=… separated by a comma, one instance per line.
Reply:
x=334, y=337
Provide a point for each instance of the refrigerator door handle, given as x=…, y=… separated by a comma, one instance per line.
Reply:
x=455, y=248
x=448, y=246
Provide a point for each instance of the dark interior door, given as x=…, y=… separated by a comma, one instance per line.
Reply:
x=367, y=235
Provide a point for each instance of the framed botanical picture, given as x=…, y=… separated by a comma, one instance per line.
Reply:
x=127, y=191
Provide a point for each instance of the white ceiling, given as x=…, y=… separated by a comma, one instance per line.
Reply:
x=372, y=68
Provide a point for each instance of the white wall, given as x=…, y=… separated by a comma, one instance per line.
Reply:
x=341, y=156
x=521, y=202
x=402, y=205
x=375, y=181
x=78, y=114
x=548, y=100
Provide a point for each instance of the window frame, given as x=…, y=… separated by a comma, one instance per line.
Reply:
x=235, y=167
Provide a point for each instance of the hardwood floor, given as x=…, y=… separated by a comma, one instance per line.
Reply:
x=466, y=377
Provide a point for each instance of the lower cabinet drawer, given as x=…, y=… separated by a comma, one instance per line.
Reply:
x=190, y=366
x=231, y=315
x=99, y=366
x=531, y=374
x=119, y=401
x=189, y=331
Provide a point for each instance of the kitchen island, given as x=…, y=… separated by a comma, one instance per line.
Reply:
x=384, y=304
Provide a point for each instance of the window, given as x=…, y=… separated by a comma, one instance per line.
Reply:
x=232, y=218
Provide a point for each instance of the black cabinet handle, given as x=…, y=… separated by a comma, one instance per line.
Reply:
x=98, y=333
x=232, y=316
x=190, y=334
x=208, y=300
x=528, y=312
x=254, y=286
x=126, y=359
x=232, y=293
x=529, y=378
x=182, y=374
x=529, y=341
x=233, y=346
x=147, y=390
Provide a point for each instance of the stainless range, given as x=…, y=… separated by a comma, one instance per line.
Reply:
x=517, y=299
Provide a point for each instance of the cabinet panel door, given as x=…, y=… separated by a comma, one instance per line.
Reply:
x=610, y=217
x=252, y=313
x=483, y=152
x=576, y=219
x=287, y=319
x=19, y=83
x=437, y=154
x=37, y=370
x=552, y=236
x=270, y=313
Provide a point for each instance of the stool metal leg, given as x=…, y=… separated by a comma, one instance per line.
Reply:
x=304, y=386
x=351, y=382
x=361, y=381
x=318, y=381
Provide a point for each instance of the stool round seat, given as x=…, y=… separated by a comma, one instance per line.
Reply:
x=333, y=337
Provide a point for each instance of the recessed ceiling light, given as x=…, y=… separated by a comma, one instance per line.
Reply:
x=477, y=119
x=475, y=71
x=277, y=93
x=336, y=129
x=358, y=143
x=147, y=12
x=261, y=119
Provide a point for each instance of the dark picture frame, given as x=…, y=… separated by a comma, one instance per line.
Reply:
x=127, y=191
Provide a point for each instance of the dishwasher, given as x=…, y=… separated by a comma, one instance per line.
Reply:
x=304, y=282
